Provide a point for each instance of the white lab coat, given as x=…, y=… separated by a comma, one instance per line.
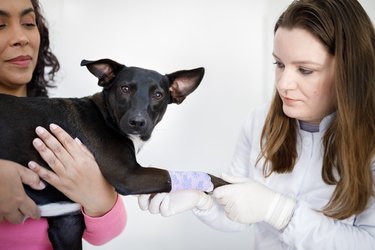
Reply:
x=308, y=228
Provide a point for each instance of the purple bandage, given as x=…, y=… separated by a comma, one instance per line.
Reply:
x=191, y=180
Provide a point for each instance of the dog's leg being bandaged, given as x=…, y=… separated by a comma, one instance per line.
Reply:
x=182, y=180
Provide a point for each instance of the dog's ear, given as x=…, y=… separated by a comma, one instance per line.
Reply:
x=104, y=69
x=184, y=82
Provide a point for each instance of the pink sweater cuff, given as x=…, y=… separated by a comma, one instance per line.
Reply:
x=100, y=230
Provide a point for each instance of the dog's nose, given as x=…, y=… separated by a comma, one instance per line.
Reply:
x=137, y=122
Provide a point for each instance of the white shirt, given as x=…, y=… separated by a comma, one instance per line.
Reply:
x=308, y=228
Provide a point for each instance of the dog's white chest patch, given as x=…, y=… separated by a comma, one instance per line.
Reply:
x=56, y=209
x=137, y=142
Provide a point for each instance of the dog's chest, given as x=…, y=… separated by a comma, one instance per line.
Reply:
x=137, y=142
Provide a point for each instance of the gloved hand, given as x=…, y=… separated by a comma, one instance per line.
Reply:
x=247, y=201
x=168, y=204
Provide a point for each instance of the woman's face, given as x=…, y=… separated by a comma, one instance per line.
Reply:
x=304, y=75
x=19, y=45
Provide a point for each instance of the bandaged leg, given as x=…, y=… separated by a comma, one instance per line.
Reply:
x=183, y=180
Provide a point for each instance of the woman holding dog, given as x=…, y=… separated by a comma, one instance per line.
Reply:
x=303, y=173
x=25, y=57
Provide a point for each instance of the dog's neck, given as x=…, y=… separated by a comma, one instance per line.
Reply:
x=137, y=142
x=102, y=105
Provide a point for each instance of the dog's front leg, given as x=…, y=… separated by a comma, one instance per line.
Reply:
x=141, y=180
x=128, y=177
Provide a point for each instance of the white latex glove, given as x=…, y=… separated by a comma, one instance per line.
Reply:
x=247, y=201
x=168, y=204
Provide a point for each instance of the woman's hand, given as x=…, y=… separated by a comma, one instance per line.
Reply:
x=168, y=204
x=247, y=201
x=15, y=205
x=75, y=171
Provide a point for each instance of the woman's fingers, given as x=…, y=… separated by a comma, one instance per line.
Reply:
x=84, y=148
x=53, y=149
x=28, y=209
x=45, y=174
x=30, y=178
x=49, y=156
x=15, y=205
x=62, y=140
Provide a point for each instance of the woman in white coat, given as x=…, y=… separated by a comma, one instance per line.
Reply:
x=304, y=167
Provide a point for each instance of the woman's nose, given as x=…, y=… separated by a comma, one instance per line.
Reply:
x=285, y=80
x=18, y=37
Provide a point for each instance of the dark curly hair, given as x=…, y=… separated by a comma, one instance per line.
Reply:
x=41, y=79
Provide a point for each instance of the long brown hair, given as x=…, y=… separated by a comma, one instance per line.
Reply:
x=345, y=29
x=41, y=79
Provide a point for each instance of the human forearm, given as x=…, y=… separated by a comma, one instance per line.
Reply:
x=310, y=229
x=100, y=230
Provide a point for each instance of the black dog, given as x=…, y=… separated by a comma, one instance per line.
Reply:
x=132, y=102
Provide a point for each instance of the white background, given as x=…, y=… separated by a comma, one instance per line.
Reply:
x=232, y=39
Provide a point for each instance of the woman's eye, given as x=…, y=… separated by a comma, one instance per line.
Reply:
x=29, y=25
x=28, y=21
x=279, y=64
x=305, y=71
x=125, y=89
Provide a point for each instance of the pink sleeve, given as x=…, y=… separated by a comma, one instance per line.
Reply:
x=100, y=230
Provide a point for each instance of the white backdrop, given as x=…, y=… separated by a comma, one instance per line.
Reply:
x=232, y=39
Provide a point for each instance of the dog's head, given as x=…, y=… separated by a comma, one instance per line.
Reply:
x=138, y=98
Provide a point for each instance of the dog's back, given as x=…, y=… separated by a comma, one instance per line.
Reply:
x=21, y=115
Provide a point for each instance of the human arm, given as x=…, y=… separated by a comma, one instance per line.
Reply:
x=100, y=230
x=245, y=200
x=77, y=175
x=310, y=229
x=300, y=226
x=308, y=225
x=15, y=205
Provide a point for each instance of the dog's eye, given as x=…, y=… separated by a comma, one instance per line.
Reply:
x=158, y=95
x=125, y=89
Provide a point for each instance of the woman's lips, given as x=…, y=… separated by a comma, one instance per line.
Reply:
x=21, y=61
x=288, y=101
